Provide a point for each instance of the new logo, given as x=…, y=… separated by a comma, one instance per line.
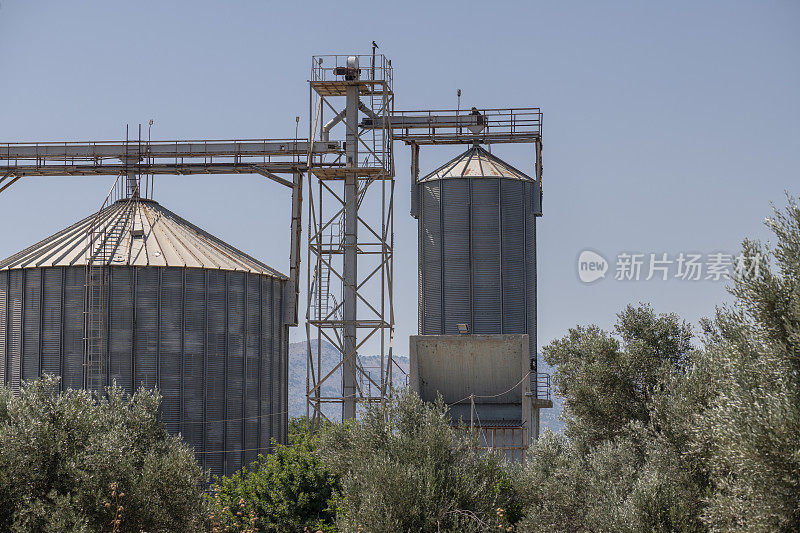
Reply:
x=591, y=266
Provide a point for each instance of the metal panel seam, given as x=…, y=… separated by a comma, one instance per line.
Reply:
x=259, y=438
x=61, y=355
x=225, y=376
x=107, y=297
x=471, y=262
x=134, y=284
x=441, y=259
x=205, y=368
x=22, y=326
x=500, y=246
x=41, y=321
x=158, y=334
x=183, y=349
x=245, y=318
x=6, y=381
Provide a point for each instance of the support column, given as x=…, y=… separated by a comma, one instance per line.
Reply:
x=350, y=267
x=132, y=184
x=414, y=178
x=294, y=248
x=131, y=177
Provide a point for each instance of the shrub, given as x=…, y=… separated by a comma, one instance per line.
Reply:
x=749, y=436
x=403, y=468
x=69, y=462
x=289, y=490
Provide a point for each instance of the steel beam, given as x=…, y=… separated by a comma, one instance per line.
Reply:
x=421, y=121
x=346, y=308
x=10, y=183
x=95, y=151
x=294, y=247
x=441, y=138
x=266, y=169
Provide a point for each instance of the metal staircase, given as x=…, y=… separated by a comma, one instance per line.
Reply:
x=106, y=237
x=327, y=303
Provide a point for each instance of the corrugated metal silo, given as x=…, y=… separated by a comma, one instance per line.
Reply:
x=477, y=247
x=182, y=311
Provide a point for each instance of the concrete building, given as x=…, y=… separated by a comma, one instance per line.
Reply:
x=484, y=379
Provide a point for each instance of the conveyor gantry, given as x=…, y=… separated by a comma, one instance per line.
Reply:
x=267, y=157
x=462, y=126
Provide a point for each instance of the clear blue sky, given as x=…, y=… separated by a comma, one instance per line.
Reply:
x=668, y=126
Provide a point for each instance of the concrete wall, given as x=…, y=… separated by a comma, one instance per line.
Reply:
x=492, y=367
x=456, y=366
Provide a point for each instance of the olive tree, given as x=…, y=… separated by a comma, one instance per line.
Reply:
x=607, y=379
x=403, y=468
x=750, y=433
x=622, y=465
x=71, y=462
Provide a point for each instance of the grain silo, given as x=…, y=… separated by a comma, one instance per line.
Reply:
x=178, y=309
x=477, y=247
x=477, y=276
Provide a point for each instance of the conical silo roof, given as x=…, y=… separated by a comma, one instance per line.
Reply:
x=137, y=232
x=476, y=163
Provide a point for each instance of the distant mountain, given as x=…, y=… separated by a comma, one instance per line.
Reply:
x=298, y=356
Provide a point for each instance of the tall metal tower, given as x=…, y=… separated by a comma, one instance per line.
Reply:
x=351, y=233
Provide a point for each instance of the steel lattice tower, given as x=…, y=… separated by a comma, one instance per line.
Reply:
x=351, y=233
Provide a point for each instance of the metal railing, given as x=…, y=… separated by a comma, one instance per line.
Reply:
x=454, y=126
x=50, y=155
x=375, y=68
x=543, y=386
x=508, y=440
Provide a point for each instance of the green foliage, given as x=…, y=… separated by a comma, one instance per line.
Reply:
x=607, y=381
x=622, y=465
x=551, y=486
x=663, y=437
x=404, y=469
x=71, y=463
x=288, y=490
x=749, y=435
